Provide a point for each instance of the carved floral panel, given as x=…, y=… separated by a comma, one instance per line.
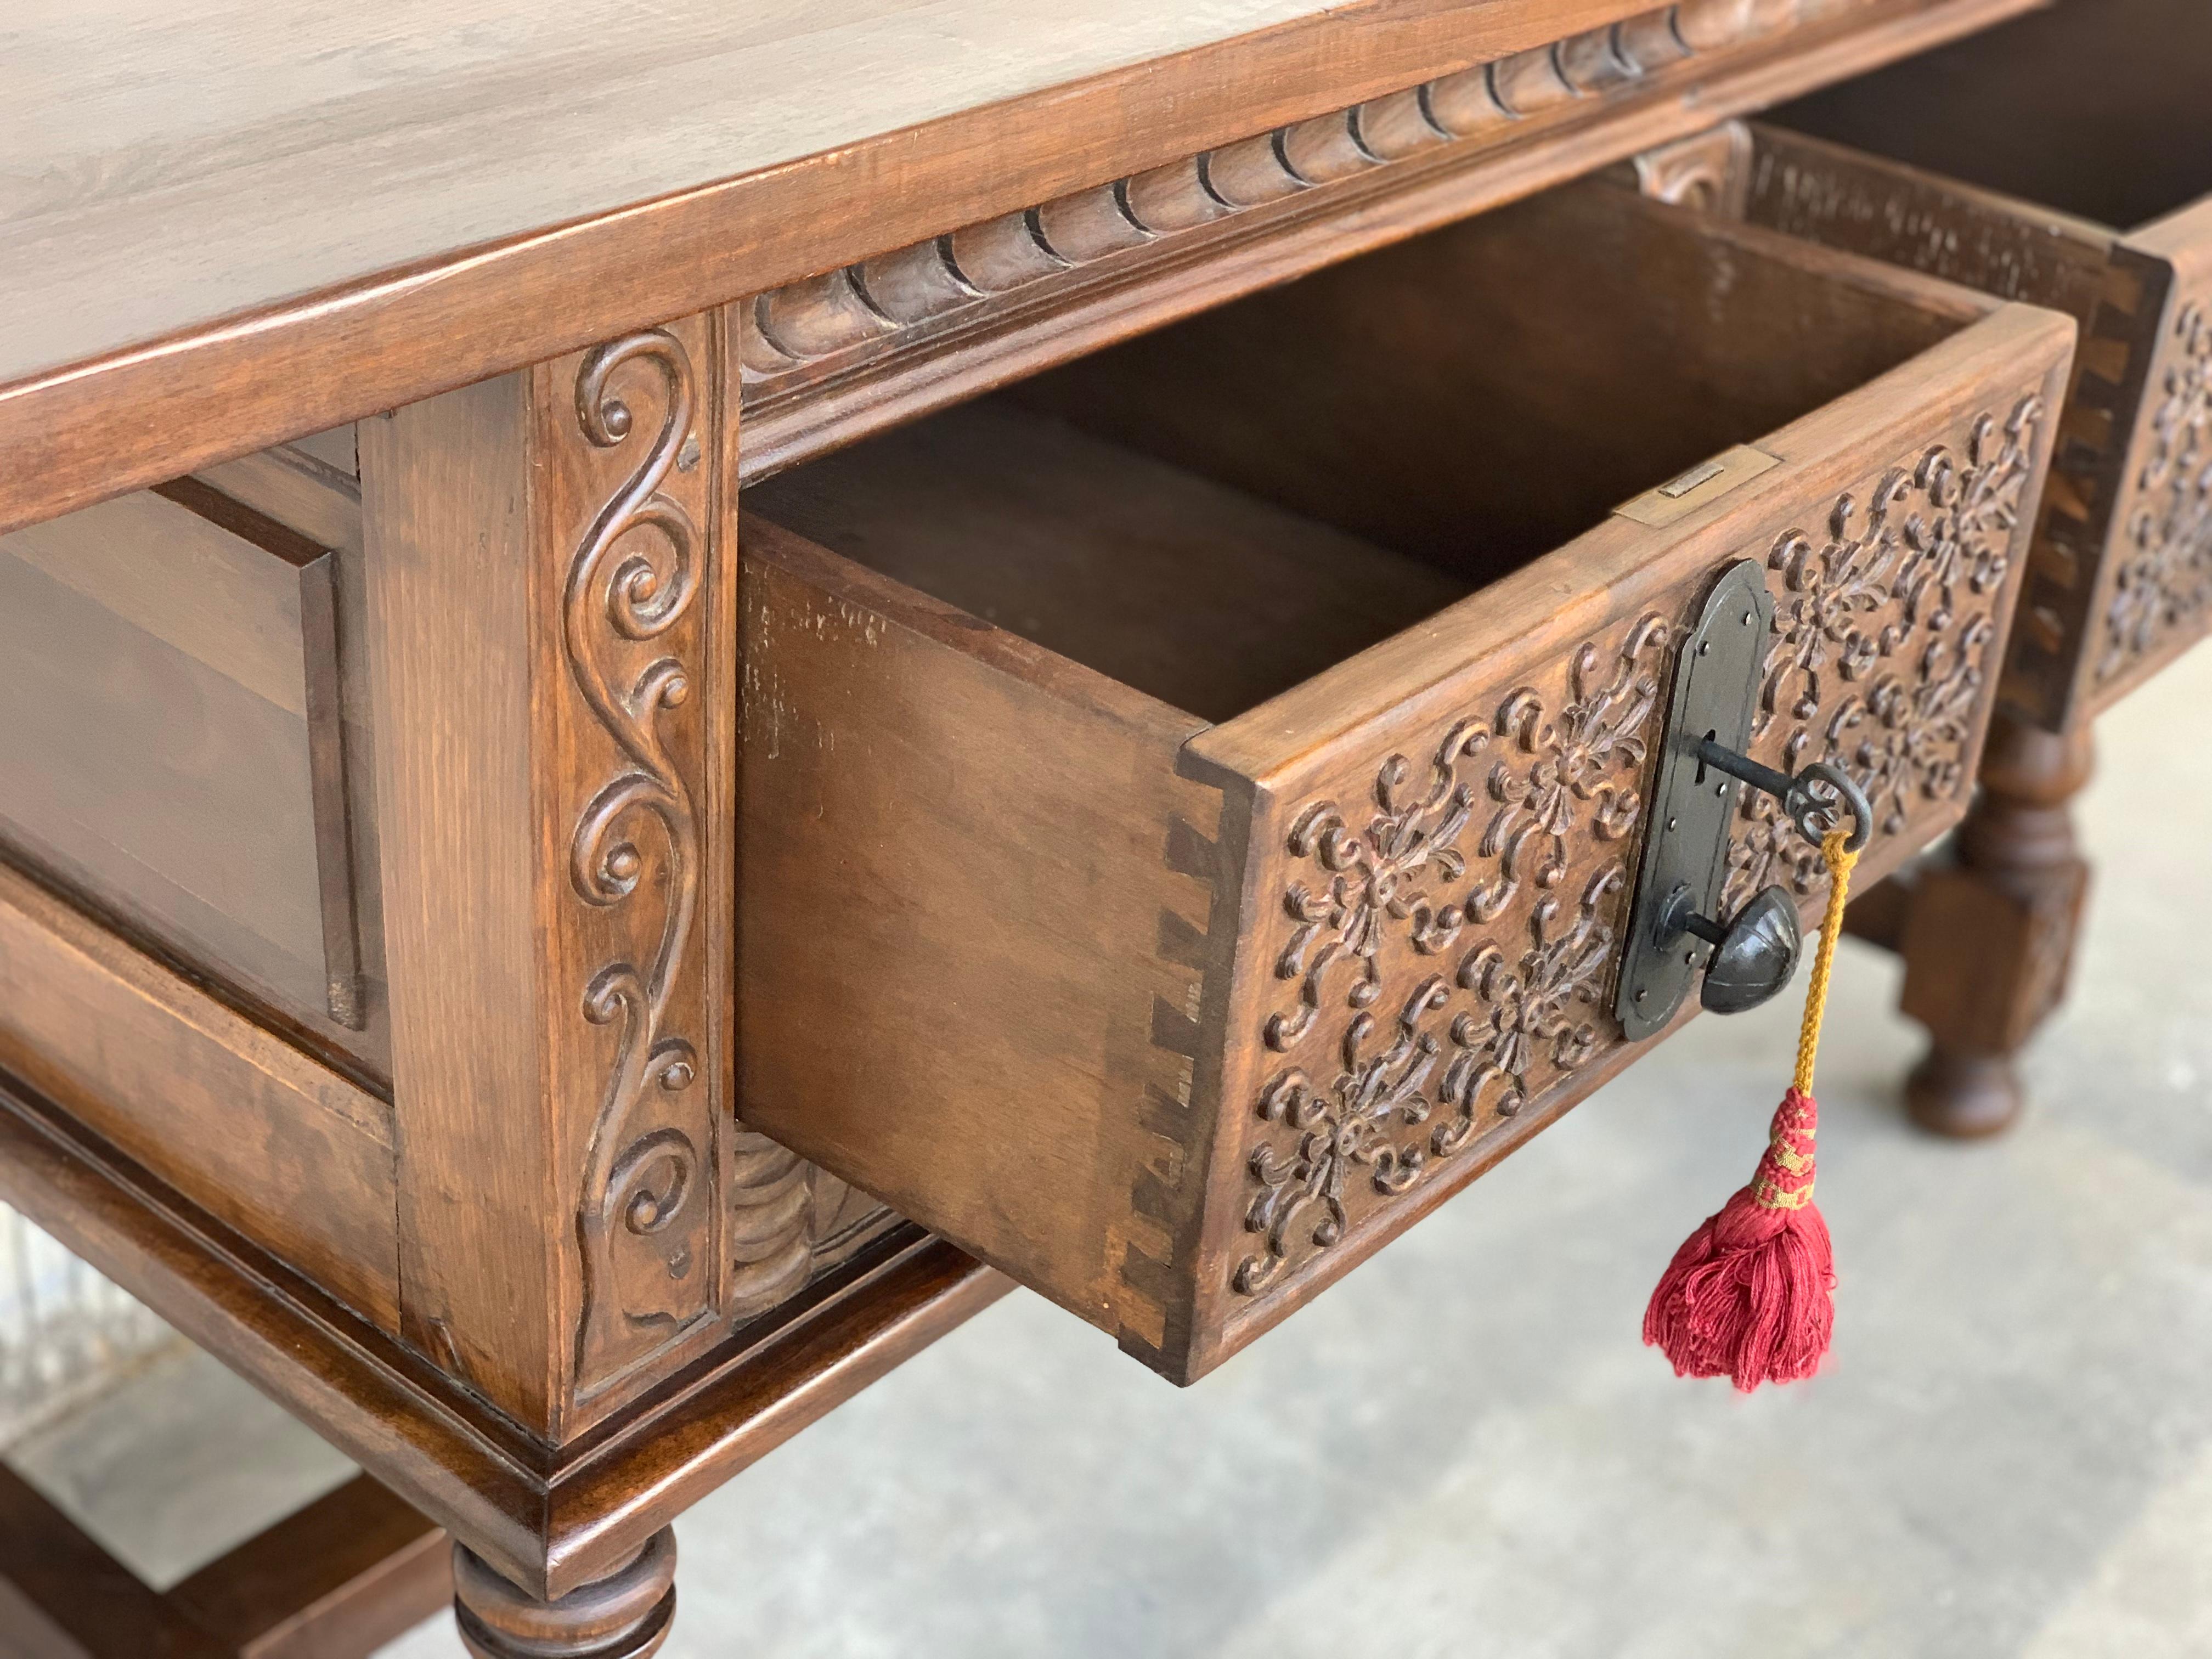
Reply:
x=1446, y=942
x=2161, y=594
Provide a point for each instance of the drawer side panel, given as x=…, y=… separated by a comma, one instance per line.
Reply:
x=976, y=920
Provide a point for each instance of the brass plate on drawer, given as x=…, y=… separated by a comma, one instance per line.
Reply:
x=1700, y=487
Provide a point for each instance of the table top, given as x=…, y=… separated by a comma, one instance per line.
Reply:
x=224, y=192
x=172, y=165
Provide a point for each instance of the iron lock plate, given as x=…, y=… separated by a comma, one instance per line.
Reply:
x=1715, y=694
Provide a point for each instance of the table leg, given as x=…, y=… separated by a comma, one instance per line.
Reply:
x=1988, y=939
x=625, y=1615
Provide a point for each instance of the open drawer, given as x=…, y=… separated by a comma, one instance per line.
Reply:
x=2065, y=159
x=1190, y=804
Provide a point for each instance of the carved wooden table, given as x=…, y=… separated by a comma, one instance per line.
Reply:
x=624, y=760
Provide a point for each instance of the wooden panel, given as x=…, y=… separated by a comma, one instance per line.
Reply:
x=2153, y=597
x=1201, y=596
x=327, y=348
x=1864, y=204
x=954, y=840
x=313, y=487
x=554, y=719
x=175, y=746
x=555, y=727
x=184, y=580
x=292, y=1155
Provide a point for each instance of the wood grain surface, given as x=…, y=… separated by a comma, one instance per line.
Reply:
x=232, y=1116
x=364, y=217
x=268, y=151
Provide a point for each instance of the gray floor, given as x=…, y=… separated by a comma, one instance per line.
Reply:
x=1463, y=1450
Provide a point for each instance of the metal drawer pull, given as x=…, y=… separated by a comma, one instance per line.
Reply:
x=1755, y=955
x=1674, y=929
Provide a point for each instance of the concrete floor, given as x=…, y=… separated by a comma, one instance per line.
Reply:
x=1463, y=1450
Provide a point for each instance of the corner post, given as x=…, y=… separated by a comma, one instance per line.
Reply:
x=552, y=641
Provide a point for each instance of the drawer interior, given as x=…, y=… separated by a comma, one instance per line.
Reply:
x=2101, y=108
x=1215, y=512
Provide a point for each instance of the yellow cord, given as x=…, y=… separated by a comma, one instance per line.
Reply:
x=1839, y=862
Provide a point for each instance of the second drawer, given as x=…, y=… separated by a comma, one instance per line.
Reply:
x=2064, y=159
x=1190, y=804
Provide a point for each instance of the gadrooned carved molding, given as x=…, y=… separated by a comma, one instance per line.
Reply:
x=1449, y=941
x=871, y=304
x=789, y=1221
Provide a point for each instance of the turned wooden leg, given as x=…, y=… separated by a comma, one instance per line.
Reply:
x=1988, y=938
x=625, y=1615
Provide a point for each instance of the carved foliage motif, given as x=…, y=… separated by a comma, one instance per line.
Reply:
x=634, y=850
x=2163, y=590
x=1451, y=940
x=1550, y=776
x=1884, y=629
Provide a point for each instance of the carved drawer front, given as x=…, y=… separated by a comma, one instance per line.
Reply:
x=2063, y=160
x=1189, y=803
x=176, y=749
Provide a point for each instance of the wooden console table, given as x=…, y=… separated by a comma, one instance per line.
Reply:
x=669, y=678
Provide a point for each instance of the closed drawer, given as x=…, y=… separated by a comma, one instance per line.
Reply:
x=2066, y=160
x=176, y=749
x=1190, y=804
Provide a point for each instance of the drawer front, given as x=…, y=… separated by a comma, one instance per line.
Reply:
x=1435, y=893
x=2153, y=597
x=176, y=750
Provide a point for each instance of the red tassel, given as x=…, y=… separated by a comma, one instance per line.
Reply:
x=1750, y=1295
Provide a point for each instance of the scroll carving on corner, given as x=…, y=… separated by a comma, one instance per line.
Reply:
x=635, y=849
x=2162, y=594
x=1449, y=941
